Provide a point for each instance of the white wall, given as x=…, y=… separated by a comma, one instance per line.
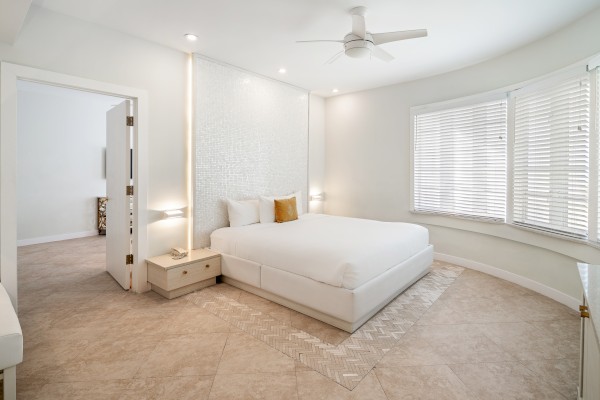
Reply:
x=63, y=44
x=316, y=151
x=251, y=138
x=60, y=161
x=368, y=159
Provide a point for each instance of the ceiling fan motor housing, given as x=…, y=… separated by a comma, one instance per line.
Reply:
x=357, y=47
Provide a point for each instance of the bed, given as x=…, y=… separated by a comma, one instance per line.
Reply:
x=339, y=270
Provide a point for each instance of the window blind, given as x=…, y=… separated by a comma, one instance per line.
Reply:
x=460, y=161
x=551, y=158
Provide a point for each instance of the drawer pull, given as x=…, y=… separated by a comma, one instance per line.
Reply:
x=184, y=272
x=207, y=266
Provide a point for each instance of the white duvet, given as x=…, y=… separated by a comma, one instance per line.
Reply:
x=340, y=251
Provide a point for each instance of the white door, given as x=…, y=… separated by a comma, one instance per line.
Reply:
x=118, y=217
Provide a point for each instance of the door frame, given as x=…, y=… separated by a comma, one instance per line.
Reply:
x=9, y=74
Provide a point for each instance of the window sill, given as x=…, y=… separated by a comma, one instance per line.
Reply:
x=581, y=250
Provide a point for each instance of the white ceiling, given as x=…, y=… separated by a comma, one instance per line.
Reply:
x=261, y=35
x=12, y=15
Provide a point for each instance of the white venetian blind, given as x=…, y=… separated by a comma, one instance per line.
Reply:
x=460, y=161
x=551, y=158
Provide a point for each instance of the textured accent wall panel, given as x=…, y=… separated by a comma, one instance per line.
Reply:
x=250, y=139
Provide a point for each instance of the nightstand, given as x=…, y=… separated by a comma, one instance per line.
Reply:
x=173, y=278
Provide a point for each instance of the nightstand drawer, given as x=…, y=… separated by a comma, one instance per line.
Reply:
x=192, y=273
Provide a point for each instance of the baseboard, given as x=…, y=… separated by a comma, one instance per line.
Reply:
x=547, y=291
x=56, y=238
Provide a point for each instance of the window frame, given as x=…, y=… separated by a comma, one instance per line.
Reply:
x=591, y=66
x=447, y=105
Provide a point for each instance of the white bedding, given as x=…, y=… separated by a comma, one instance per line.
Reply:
x=339, y=251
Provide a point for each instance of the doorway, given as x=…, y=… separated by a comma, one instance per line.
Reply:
x=9, y=75
x=67, y=160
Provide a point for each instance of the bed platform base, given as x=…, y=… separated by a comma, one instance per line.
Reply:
x=343, y=308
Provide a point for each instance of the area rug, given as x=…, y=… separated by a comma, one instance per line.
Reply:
x=350, y=361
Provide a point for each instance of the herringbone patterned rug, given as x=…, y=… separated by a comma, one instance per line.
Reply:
x=349, y=362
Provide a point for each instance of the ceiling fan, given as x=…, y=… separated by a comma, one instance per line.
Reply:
x=361, y=43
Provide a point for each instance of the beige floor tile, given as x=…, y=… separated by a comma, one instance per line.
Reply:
x=411, y=350
x=527, y=342
x=562, y=375
x=87, y=390
x=63, y=300
x=78, y=324
x=473, y=284
x=460, y=310
x=225, y=290
x=108, y=359
x=327, y=333
x=40, y=359
x=35, y=324
x=435, y=382
x=244, y=354
x=254, y=386
x=314, y=386
x=539, y=308
x=28, y=388
x=196, y=320
x=172, y=388
x=265, y=306
x=462, y=343
x=149, y=321
x=85, y=337
x=504, y=381
x=302, y=367
x=569, y=329
x=181, y=355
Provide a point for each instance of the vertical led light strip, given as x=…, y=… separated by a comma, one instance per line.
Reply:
x=189, y=133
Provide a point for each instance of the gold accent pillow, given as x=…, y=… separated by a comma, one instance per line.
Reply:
x=285, y=210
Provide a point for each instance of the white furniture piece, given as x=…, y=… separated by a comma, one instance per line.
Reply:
x=11, y=345
x=336, y=269
x=173, y=278
x=589, y=371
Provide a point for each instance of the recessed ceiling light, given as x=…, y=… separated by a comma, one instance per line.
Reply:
x=191, y=37
x=282, y=70
x=335, y=91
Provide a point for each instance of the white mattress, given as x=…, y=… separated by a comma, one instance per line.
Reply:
x=339, y=251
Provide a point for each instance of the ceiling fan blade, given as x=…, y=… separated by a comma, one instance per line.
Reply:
x=311, y=41
x=386, y=37
x=335, y=57
x=381, y=54
x=358, y=25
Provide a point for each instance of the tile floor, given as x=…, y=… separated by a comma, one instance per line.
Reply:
x=86, y=338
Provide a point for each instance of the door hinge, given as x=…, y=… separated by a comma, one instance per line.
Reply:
x=129, y=259
x=129, y=121
x=129, y=190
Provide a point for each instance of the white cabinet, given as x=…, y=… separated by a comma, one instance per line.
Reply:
x=589, y=373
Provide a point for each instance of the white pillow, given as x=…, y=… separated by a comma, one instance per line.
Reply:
x=267, y=206
x=244, y=212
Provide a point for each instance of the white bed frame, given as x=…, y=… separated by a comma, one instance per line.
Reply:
x=343, y=308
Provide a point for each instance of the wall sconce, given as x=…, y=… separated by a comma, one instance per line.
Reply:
x=178, y=213
x=317, y=197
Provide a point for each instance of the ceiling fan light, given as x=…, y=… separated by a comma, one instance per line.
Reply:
x=358, y=52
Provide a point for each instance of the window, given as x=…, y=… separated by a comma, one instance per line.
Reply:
x=459, y=162
x=529, y=157
x=551, y=158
